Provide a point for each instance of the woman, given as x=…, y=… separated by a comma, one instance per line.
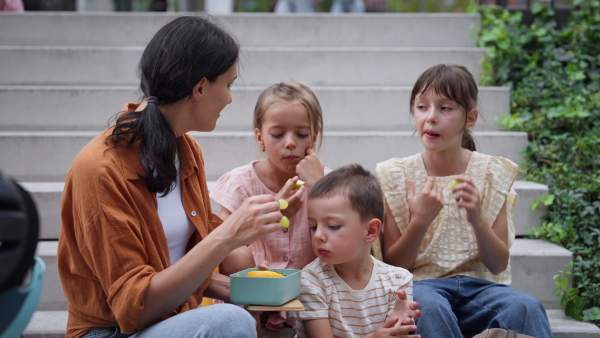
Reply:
x=139, y=242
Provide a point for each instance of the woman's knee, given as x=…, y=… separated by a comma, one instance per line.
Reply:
x=237, y=319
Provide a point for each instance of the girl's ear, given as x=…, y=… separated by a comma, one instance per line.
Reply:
x=259, y=138
x=472, y=118
x=373, y=229
x=314, y=140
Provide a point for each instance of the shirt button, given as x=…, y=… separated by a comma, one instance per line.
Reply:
x=285, y=258
x=285, y=229
x=193, y=212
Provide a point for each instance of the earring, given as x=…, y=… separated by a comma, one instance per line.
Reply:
x=263, y=149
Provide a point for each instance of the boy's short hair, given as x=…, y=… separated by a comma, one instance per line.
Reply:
x=361, y=187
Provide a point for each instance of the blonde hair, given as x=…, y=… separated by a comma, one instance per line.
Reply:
x=291, y=92
x=454, y=82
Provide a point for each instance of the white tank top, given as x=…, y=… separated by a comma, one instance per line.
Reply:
x=177, y=227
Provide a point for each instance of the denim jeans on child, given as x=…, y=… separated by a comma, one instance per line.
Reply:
x=221, y=320
x=465, y=306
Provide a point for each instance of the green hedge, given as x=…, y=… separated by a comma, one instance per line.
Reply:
x=554, y=76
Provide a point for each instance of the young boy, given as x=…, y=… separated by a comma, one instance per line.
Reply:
x=345, y=291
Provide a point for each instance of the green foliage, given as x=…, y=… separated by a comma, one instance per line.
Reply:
x=554, y=76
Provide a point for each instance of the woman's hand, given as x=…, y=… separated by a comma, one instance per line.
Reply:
x=256, y=217
x=292, y=196
x=467, y=197
x=310, y=168
x=425, y=206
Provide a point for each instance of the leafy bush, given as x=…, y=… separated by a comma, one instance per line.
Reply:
x=554, y=75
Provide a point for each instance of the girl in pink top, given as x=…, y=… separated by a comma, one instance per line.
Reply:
x=288, y=124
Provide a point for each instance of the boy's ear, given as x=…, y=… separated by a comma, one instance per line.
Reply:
x=472, y=118
x=373, y=229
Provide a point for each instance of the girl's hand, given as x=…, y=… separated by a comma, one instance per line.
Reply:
x=393, y=328
x=405, y=309
x=425, y=206
x=310, y=168
x=256, y=217
x=467, y=197
x=292, y=196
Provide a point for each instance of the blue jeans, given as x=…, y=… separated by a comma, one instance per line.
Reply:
x=465, y=306
x=220, y=320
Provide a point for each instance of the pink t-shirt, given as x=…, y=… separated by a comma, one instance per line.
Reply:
x=284, y=249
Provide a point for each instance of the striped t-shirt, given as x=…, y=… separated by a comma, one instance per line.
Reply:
x=351, y=313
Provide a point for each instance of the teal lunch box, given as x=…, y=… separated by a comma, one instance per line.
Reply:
x=265, y=291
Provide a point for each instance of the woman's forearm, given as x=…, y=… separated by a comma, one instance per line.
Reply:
x=171, y=287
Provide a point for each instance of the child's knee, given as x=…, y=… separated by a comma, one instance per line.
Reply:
x=530, y=305
x=238, y=260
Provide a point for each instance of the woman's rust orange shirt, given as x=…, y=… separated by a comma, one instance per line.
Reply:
x=112, y=241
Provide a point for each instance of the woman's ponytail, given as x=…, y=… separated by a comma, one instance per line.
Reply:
x=158, y=145
x=158, y=151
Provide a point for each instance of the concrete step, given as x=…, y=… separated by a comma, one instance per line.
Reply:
x=261, y=66
x=48, y=196
x=251, y=29
x=52, y=297
x=52, y=324
x=534, y=264
x=524, y=218
x=344, y=108
x=46, y=156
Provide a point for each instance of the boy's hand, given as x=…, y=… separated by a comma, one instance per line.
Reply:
x=292, y=196
x=310, y=168
x=427, y=204
x=405, y=309
x=392, y=328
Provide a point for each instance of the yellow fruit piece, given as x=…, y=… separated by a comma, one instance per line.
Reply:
x=454, y=183
x=298, y=184
x=263, y=273
x=283, y=204
x=285, y=222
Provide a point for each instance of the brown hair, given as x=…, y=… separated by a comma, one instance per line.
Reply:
x=291, y=92
x=456, y=83
x=359, y=184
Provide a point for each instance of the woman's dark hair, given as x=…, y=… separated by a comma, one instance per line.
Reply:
x=181, y=53
x=456, y=83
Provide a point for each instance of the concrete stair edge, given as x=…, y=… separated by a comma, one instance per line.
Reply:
x=336, y=66
x=531, y=260
x=240, y=148
x=343, y=107
x=48, y=195
x=373, y=29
